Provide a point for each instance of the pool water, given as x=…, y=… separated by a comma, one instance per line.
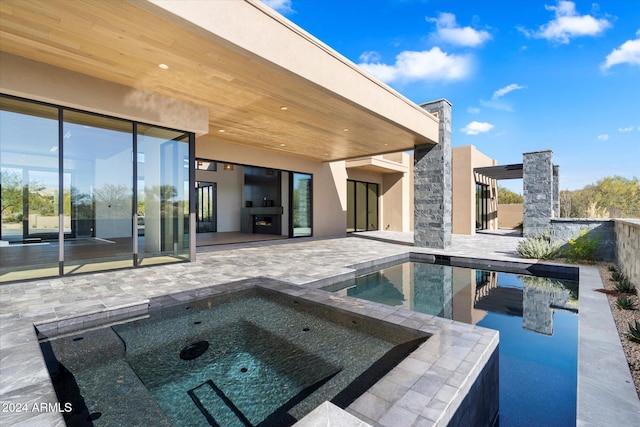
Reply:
x=536, y=317
x=246, y=358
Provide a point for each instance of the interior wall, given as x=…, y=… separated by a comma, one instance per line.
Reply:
x=329, y=179
x=229, y=195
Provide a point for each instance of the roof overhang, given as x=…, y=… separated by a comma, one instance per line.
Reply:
x=513, y=171
x=238, y=59
x=377, y=164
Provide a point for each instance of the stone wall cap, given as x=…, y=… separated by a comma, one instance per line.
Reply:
x=538, y=151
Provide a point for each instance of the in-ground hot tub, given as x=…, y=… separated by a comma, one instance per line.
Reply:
x=248, y=355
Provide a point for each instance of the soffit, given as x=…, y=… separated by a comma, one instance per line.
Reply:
x=120, y=42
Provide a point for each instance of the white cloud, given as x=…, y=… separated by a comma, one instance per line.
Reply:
x=568, y=24
x=370, y=56
x=627, y=129
x=448, y=31
x=282, y=6
x=603, y=137
x=473, y=110
x=431, y=65
x=476, y=128
x=497, y=104
x=505, y=90
x=627, y=53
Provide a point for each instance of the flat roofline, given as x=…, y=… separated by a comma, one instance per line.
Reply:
x=305, y=57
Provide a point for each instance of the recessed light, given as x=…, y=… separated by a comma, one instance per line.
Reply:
x=282, y=145
x=284, y=108
x=221, y=130
x=163, y=66
x=346, y=129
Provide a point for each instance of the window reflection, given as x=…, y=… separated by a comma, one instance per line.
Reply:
x=302, y=199
x=104, y=215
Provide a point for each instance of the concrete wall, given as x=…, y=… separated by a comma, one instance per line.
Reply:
x=510, y=215
x=563, y=230
x=628, y=249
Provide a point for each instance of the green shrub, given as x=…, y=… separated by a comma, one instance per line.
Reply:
x=625, y=303
x=613, y=269
x=538, y=247
x=582, y=247
x=624, y=285
x=634, y=332
x=617, y=276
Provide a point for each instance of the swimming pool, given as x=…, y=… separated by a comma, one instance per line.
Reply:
x=251, y=357
x=536, y=316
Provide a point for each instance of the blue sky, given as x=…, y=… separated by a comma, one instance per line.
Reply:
x=522, y=75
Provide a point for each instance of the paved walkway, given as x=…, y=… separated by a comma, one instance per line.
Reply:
x=24, y=378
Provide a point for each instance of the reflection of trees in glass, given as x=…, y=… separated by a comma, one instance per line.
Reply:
x=83, y=204
x=41, y=200
x=11, y=197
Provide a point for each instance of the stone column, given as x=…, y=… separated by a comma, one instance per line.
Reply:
x=432, y=184
x=537, y=176
x=556, y=191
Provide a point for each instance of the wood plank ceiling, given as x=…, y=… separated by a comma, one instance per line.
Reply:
x=119, y=42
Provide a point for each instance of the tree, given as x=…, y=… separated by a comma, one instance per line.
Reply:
x=506, y=196
x=614, y=196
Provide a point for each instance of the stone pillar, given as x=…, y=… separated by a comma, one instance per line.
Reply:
x=537, y=176
x=432, y=184
x=556, y=191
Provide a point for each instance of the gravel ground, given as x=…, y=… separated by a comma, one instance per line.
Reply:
x=623, y=318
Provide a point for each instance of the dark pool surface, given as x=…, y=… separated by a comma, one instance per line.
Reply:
x=243, y=359
x=537, y=319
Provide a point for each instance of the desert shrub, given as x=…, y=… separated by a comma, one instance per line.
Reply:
x=625, y=303
x=539, y=247
x=582, y=247
x=624, y=285
x=634, y=332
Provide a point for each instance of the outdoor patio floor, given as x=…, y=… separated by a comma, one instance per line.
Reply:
x=606, y=395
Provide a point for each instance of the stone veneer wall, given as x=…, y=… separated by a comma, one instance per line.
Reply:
x=537, y=182
x=563, y=230
x=432, y=184
x=628, y=249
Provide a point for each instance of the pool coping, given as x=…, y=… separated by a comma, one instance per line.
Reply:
x=605, y=386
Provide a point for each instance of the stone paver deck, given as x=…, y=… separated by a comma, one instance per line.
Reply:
x=605, y=392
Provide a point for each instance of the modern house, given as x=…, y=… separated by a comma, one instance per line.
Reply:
x=111, y=112
x=132, y=130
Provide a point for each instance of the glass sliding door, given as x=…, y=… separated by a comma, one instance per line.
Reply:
x=163, y=194
x=301, y=206
x=205, y=207
x=362, y=206
x=482, y=198
x=351, y=206
x=76, y=199
x=98, y=153
x=372, y=206
x=30, y=190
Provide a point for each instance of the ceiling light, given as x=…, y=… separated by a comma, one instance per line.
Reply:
x=163, y=66
x=284, y=108
x=221, y=130
x=282, y=145
x=346, y=129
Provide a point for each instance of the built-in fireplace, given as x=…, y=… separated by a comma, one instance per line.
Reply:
x=266, y=224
